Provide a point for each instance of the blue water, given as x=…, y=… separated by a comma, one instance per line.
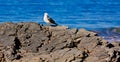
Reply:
x=89, y=14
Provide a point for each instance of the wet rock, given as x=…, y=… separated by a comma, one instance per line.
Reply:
x=115, y=30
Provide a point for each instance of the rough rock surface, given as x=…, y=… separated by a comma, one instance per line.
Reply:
x=32, y=42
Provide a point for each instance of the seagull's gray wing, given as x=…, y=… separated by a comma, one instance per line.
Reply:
x=51, y=20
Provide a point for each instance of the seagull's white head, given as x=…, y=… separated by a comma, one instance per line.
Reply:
x=46, y=14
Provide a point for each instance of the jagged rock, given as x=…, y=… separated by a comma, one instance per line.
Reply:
x=6, y=41
x=73, y=31
x=32, y=42
x=89, y=43
x=57, y=28
x=67, y=55
x=115, y=30
x=99, y=53
x=8, y=29
x=2, y=59
x=29, y=58
x=85, y=33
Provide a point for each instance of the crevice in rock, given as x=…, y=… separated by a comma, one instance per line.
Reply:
x=110, y=45
x=114, y=55
x=71, y=45
x=118, y=60
x=85, y=55
x=39, y=47
x=28, y=36
x=118, y=53
x=17, y=43
x=52, y=49
x=16, y=48
x=96, y=35
x=18, y=57
x=75, y=44
x=88, y=35
x=42, y=60
x=99, y=43
x=50, y=35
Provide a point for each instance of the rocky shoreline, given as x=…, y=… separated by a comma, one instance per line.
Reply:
x=32, y=42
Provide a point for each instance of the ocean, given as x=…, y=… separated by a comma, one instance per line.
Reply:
x=93, y=15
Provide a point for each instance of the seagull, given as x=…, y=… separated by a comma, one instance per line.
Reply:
x=49, y=20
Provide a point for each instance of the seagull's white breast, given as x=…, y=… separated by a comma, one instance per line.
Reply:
x=46, y=19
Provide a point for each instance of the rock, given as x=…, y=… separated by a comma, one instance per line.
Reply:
x=8, y=29
x=73, y=31
x=29, y=58
x=84, y=33
x=6, y=40
x=92, y=59
x=2, y=59
x=32, y=42
x=100, y=54
x=114, y=52
x=115, y=30
x=89, y=43
x=58, y=28
x=67, y=55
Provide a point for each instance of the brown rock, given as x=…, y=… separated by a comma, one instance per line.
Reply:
x=2, y=59
x=89, y=43
x=84, y=33
x=32, y=42
x=67, y=55
x=6, y=41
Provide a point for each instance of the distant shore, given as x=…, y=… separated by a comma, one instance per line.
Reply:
x=33, y=42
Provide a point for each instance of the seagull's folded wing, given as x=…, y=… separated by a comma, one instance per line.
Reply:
x=51, y=20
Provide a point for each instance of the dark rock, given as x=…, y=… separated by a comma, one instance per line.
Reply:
x=115, y=30
x=110, y=45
